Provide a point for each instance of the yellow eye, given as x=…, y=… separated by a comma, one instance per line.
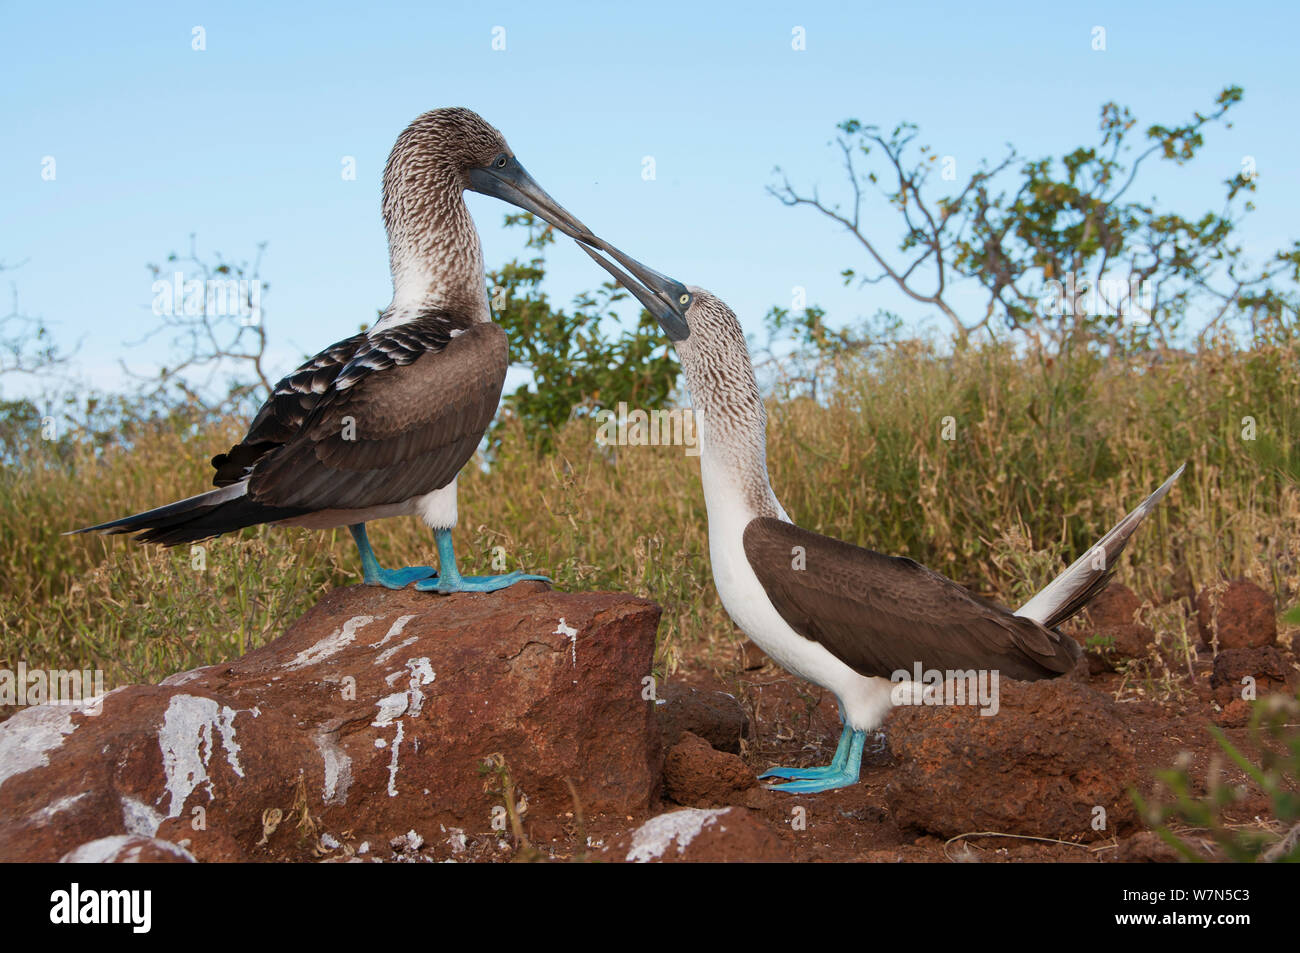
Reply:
x=684, y=299
x=501, y=162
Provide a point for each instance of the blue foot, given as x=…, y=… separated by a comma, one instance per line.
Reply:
x=842, y=772
x=447, y=584
x=449, y=579
x=400, y=578
x=373, y=574
x=822, y=772
x=835, y=767
x=842, y=779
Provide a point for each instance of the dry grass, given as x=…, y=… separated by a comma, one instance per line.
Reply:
x=1047, y=456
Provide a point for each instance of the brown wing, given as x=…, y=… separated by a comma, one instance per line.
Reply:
x=282, y=416
x=400, y=420
x=880, y=614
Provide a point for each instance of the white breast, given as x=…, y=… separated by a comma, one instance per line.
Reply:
x=864, y=701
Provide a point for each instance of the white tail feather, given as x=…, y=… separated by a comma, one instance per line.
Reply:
x=1092, y=567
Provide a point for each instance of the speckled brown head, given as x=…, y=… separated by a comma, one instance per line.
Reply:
x=433, y=246
x=705, y=332
x=711, y=346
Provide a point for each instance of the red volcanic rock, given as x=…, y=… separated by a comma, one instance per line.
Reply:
x=373, y=714
x=697, y=775
x=697, y=835
x=1117, y=604
x=1054, y=752
x=1244, y=615
x=1235, y=714
x=1266, y=665
x=1113, y=618
x=715, y=716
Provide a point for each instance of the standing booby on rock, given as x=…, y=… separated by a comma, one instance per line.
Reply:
x=380, y=423
x=849, y=619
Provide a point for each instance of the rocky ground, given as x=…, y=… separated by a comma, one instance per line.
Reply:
x=390, y=726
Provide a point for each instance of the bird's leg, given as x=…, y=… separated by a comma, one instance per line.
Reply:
x=835, y=767
x=374, y=574
x=449, y=577
x=847, y=775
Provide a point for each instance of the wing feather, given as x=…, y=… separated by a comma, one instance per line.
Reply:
x=292, y=399
x=401, y=419
x=880, y=614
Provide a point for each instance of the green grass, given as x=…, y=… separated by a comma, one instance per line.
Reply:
x=1047, y=456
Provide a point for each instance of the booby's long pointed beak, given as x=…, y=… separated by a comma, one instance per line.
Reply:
x=510, y=183
x=666, y=299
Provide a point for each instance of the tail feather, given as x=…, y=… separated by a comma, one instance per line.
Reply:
x=1088, y=575
x=197, y=517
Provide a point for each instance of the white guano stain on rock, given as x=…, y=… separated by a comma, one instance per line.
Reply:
x=139, y=818
x=394, y=630
x=394, y=706
x=569, y=632
x=180, y=678
x=421, y=674
x=186, y=740
x=332, y=644
x=338, y=767
x=392, y=765
x=389, y=652
x=391, y=707
x=27, y=738
x=656, y=835
x=121, y=849
x=43, y=815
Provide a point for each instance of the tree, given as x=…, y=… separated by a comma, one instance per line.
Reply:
x=1058, y=247
x=25, y=343
x=212, y=312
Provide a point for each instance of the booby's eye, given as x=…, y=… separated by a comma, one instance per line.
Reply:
x=500, y=162
x=684, y=299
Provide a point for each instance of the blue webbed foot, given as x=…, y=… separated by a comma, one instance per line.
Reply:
x=842, y=772
x=829, y=782
x=447, y=584
x=399, y=578
x=799, y=773
x=450, y=580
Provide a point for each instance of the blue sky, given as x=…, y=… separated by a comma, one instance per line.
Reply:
x=243, y=141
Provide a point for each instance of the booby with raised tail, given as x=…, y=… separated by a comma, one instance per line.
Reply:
x=380, y=423
x=846, y=618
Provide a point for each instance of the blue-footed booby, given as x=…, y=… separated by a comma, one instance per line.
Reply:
x=846, y=618
x=380, y=423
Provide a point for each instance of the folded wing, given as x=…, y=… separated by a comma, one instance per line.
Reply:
x=881, y=614
x=281, y=417
x=400, y=419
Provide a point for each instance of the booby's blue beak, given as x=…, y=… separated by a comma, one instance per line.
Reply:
x=506, y=180
x=667, y=300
